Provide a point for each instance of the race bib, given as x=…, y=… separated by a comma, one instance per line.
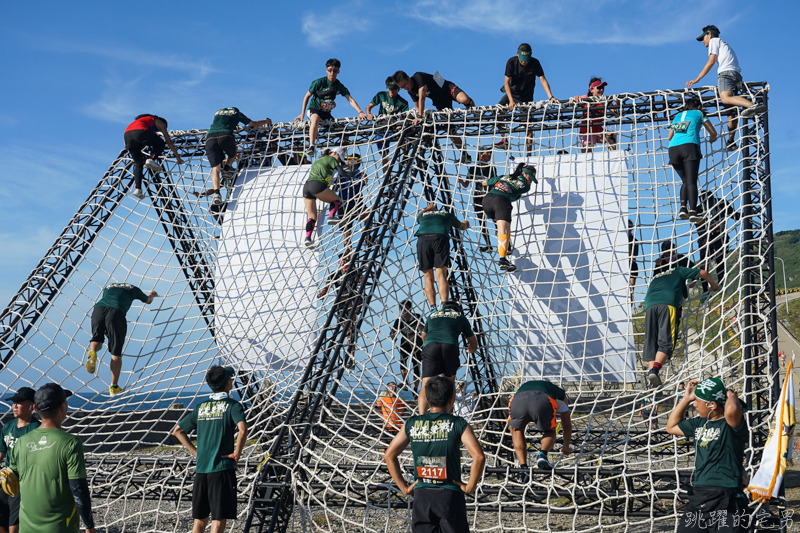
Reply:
x=327, y=106
x=432, y=469
x=500, y=186
x=681, y=127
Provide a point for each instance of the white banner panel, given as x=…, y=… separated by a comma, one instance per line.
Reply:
x=266, y=279
x=570, y=312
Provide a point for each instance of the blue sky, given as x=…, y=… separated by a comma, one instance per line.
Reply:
x=76, y=74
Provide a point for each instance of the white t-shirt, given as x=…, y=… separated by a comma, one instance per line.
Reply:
x=726, y=57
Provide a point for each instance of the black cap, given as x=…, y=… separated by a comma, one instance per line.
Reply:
x=25, y=394
x=50, y=396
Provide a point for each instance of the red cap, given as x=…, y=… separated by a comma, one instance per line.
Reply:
x=597, y=84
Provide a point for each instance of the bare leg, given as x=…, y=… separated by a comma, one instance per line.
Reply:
x=633, y=287
x=430, y=291
x=215, y=177
x=95, y=346
x=520, y=447
x=727, y=98
x=199, y=525
x=548, y=440
x=311, y=208
x=444, y=286
x=328, y=196
x=312, y=132
x=661, y=358
x=116, y=368
x=218, y=526
x=529, y=142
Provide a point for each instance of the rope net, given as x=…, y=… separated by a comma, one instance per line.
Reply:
x=240, y=288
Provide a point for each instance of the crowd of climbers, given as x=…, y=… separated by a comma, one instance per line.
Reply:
x=44, y=460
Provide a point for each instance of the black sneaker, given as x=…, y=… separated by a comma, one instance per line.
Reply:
x=683, y=214
x=653, y=378
x=523, y=478
x=542, y=462
x=484, y=249
x=695, y=217
x=505, y=265
x=732, y=147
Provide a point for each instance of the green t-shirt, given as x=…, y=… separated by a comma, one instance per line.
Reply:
x=389, y=105
x=322, y=169
x=45, y=460
x=215, y=421
x=226, y=119
x=11, y=434
x=440, y=222
x=436, y=445
x=512, y=187
x=668, y=287
x=552, y=390
x=121, y=296
x=323, y=93
x=718, y=451
x=445, y=325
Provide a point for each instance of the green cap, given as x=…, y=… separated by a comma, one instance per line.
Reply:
x=713, y=30
x=712, y=390
x=229, y=373
x=485, y=148
x=392, y=86
x=530, y=171
x=524, y=56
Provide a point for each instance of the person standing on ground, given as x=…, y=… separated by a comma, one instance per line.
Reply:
x=433, y=249
x=220, y=143
x=482, y=171
x=108, y=320
x=440, y=338
x=51, y=469
x=393, y=408
x=435, y=439
x=729, y=80
x=409, y=325
x=318, y=187
x=22, y=408
x=216, y=420
x=140, y=134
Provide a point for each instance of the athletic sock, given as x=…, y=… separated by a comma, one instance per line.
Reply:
x=310, y=223
x=656, y=366
x=216, y=191
x=334, y=208
x=502, y=245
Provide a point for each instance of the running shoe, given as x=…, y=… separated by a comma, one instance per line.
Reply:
x=523, y=478
x=308, y=242
x=653, y=378
x=732, y=147
x=152, y=165
x=309, y=153
x=542, y=462
x=754, y=110
x=91, y=362
x=502, y=144
x=506, y=265
x=217, y=198
x=695, y=217
x=113, y=390
x=484, y=249
x=138, y=193
x=683, y=214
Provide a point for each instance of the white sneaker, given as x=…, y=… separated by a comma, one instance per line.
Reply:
x=138, y=193
x=754, y=110
x=217, y=198
x=152, y=165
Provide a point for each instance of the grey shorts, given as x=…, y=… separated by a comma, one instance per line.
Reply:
x=532, y=406
x=730, y=80
x=661, y=323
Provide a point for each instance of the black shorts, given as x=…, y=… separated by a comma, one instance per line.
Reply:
x=517, y=99
x=634, y=269
x=497, y=207
x=216, y=144
x=684, y=152
x=323, y=115
x=433, y=251
x=660, y=330
x=477, y=201
x=312, y=188
x=707, y=507
x=439, y=358
x=439, y=511
x=214, y=493
x=532, y=406
x=109, y=322
x=9, y=510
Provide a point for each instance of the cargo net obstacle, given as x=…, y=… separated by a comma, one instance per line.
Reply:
x=239, y=287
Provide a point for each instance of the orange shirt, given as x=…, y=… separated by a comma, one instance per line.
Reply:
x=393, y=409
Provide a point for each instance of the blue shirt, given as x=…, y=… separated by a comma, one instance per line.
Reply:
x=686, y=126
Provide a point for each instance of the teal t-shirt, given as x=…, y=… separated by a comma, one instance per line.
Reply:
x=686, y=126
x=323, y=93
x=215, y=421
x=389, y=105
x=439, y=222
x=45, y=460
x=512, y=187
x=322, y=169
x=12, y=433
x=718, y=451
x=121, y=296
x=436, y=446
x=667, y=287
x=226, y=119
x=551, y=389
x=445, y=325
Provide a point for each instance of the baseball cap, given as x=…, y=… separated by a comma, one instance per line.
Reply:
x=50, y=396
x=339, y=151
x=25, y=394
x=711, y=390
x=485, y=148
x=530, y=171
x=392, y=86
x=524, y=56
x=713, y=30
x=229, y=373
x=598, y=83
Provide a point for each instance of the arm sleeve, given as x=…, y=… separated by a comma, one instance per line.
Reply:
x=510, y=67
x=713, y=47
x=425, y=327
x=140, y=295
x=492, y=181
x=76, y=467
x=689, y=273
x=537, y=69
x=83, y=500
x=237, y=413
x=189, y=422
x=342, y=89
x=313, y=87
x=454, y=221
x=688, y=426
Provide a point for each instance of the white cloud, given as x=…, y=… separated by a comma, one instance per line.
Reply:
x=322, y=29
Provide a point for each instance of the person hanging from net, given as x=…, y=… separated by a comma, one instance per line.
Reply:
x=317, y=187
x=216, y=422
x=435, y=439
x=633, y=253
x=662, y=305
x=480, y=172
x=501, y=192
x=712, y=232
x=441, y=92
x=720, y=438
x=591, y=130
x=520, y=82
x=349, y=183
x=409, y=326
x=538, y=402
x=320, y=99
x=221, y=145
x=388, y=102
x=685, y=154
x=440, y=345
x=349, y=298
x=729, y=80
x=108, y=320
x=433, y=249
x=141, y=134
x=393, y=409
x=22, y=404
x=670, y=258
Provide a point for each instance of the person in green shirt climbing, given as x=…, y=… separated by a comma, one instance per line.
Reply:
x=216, y=420
x=435, y=439
x=662, y=305
x=318, y=187
x=388, y=102
x=433, y=249
x=220, y=143
x=108, y=320
x=51, y=469
x=21, y=424
x=539, y=402
x=320, y=101
x=501, y=192
x=483, y=170
x=720, y=438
